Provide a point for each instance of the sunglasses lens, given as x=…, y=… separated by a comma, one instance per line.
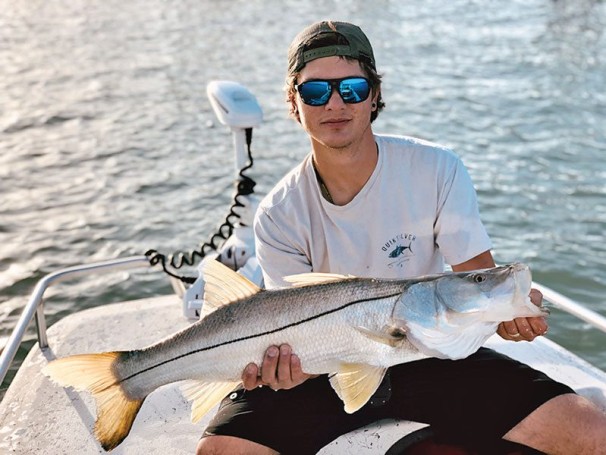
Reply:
x=354, y=90
x=315, y=93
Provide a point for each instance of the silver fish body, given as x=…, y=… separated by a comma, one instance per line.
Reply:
x=321, y=323
x=353, y=328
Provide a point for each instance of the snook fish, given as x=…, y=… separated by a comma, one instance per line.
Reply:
x=352, y=328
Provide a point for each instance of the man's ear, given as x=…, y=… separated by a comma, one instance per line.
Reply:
x=294, y=109
x=375, y=100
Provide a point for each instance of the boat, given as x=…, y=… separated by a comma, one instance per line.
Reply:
x=37, y=416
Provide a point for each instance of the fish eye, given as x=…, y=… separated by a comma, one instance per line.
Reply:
x=479, y=278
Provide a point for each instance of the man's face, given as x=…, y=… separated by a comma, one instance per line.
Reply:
x=336, y=124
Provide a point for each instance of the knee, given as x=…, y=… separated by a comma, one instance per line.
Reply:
x=565, y=424
x=211, y=445
x=229, y=445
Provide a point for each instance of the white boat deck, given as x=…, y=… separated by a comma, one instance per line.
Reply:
x=37, y=416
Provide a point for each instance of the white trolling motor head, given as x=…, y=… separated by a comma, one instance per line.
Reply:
x=234, y=105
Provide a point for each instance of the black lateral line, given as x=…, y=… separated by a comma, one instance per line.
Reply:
x=303, y=321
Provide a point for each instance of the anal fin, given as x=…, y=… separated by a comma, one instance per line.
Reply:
x=205, y=395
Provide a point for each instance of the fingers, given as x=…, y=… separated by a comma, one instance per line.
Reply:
x=536, y=297
x=250, y=377
x=284, y=370
x=538, y=325
x=525, y=329
x=280, y=369
x=253, y=377
x=508, y=330
x=515, y=330
x=270, y=366
x=296, y=372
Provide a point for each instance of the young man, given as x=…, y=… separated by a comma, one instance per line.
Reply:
x=383, y=206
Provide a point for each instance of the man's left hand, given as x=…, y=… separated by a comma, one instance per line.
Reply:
x=525, y=329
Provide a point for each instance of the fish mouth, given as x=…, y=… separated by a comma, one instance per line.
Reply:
x=523, y=280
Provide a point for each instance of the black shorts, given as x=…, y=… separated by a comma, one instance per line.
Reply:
x=474, y=401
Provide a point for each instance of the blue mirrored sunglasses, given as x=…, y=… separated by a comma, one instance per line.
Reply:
x=351, y=89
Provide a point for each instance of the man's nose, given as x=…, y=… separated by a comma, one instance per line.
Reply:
x=335, y=101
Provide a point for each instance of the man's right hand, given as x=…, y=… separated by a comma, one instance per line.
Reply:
x=281, y=369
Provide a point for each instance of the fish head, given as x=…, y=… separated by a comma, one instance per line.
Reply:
x=504, y=289
x=451, y=315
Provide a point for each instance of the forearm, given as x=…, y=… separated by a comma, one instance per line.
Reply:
x=481, y=261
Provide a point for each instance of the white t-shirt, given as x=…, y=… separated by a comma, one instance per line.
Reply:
x=417, y=210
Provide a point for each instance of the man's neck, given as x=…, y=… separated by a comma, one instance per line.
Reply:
x=345, y=171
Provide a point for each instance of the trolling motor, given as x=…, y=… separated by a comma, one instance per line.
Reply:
x=236, y=107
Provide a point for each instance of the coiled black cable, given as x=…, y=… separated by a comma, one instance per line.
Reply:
x=244, y=186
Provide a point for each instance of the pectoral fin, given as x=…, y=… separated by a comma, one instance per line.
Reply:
x=389, y=337
x=205, y=396
x=356, y=383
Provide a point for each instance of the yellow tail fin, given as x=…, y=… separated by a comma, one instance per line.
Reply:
x=116, y=412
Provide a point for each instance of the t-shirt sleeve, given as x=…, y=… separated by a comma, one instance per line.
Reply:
x=276, y=254
x=458, y=230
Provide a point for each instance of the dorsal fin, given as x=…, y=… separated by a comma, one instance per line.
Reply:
x=223, y=286
x=305, y=279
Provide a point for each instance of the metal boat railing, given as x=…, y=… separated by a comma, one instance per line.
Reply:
x=35, y=305
x=570, y=306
